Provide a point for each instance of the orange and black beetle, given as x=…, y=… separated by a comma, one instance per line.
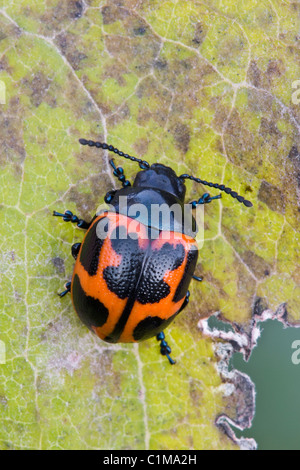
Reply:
x=132, y=271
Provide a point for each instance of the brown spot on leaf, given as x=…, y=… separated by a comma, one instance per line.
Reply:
x=245, y=283
x=231, y=49
x=254, y=74
x=269, y=130
x=160, y=63
x=11, y=135
x=2, y=35
x=294, y=156
x=293, y=173
x=18, y=297
x=291, y=181
x=9, y=30
x=116, y=71
x=144, y=115
x=59, y=264
x=196, y=394
x=54, y=18
x=75, y=9
x=4, y=65
x=87, y=202
x=221, y=114
x=67, y=44
x=3, y=400
x=101, y=367
x=240, y=142
x=133, y=52
x=264, y=79
x=139, y=27
x=153, y=94
x=139, y=31
x=275, y=68
x=296, y=275
x=112, y=13
x=39, y=86
x=272, y=196
x=258, y=265
x=182, y=136
x=216, y=284
x=139, y=48
x=141, y=147
x=259, y=102
x=200, y=33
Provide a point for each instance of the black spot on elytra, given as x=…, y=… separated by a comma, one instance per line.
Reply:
x=186, y=278
x=91, y=311
x=89, y=256
x=121, y=279
x=138, y=280
x=150, y=327
x=152, y=287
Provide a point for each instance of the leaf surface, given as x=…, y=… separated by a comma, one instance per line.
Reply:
x=203, y=87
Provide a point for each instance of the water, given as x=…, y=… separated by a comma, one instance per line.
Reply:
x=274, y=367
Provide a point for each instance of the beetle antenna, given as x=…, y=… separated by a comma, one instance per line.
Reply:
x=143, y=164
x=222, y=187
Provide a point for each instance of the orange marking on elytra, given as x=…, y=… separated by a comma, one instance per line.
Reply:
x=95, y=286
x=165, y=308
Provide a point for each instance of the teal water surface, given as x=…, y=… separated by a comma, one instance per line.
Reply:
x=274, y=367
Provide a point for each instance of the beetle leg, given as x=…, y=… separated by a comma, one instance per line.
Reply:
x=119, y=173
x=205, y=199
x=109, y=196
x=186, y=301
x=198, y=278
x=67, y=289
x=165, y=349
x=68, y=216
x=75, y=249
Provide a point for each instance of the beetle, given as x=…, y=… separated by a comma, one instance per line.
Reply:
x=132, y=271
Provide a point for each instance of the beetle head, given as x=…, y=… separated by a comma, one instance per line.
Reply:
x=161, y=177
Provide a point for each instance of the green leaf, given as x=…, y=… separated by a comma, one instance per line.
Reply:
x=204, y=88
